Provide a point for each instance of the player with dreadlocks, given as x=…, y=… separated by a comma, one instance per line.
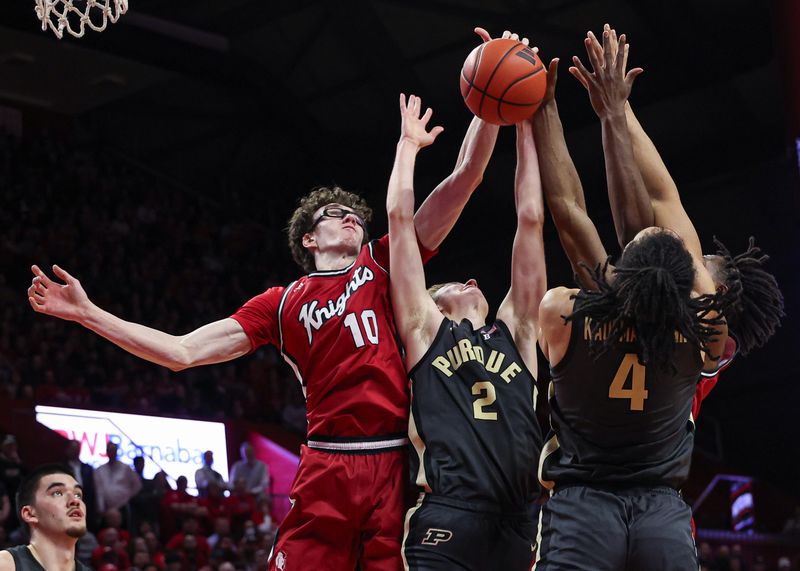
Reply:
x=751, y=299
x=625, y=353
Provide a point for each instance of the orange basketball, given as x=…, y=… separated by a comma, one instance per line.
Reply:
x=503, y=81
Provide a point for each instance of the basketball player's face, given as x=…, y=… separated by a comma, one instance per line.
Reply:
x=457, y=299
x=337, y=226
x=59, y=506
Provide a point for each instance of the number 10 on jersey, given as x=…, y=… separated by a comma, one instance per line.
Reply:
x=368, y=327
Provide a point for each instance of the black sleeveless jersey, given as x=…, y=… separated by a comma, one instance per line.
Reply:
x=25, y=561
x=473, y=427
x=616, y=422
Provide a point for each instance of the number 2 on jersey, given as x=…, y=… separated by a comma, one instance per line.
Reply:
x=491, y=396
x=370, y=326
x=637, y=394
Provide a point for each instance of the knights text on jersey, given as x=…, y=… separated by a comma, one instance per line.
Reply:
x=615, y=421
x=337, y=331
x=473, y=423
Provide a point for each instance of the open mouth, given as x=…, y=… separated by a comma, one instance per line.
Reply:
x=76, y=514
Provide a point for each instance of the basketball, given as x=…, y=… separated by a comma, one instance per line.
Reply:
x=503, y=81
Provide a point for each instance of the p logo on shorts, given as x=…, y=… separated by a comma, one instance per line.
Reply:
x=436, y=536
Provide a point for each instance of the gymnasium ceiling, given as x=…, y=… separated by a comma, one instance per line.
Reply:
x=242, y=91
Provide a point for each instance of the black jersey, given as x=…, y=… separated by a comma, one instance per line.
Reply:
x=615, y=421
x=472, y=424
x=25, y=561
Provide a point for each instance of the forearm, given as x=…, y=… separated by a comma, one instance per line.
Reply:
x=216, y=342
x=564, y=194
x=559, y=177
x=439, y=212
x=400, y=194
x=407, y=282
x=668, y=211
x=527, y=179
x=656, y=177
x=630, y=204
x=145, y=342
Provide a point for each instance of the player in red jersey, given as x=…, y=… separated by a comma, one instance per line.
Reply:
x=336, y=329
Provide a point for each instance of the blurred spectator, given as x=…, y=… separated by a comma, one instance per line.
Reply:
x=222, y=528
x=239, y=506
x=11, y=467
x=207, y=474
x=254, y=472
x=263, y=516
x=792, y=525
x=145, y=504
x=111, y=550
x=784, y=564
x=192, y=545
x=154, y=548
x=116, y=482
x=112, y=519
x=5, y=507
x=722, y=562
x=175, y=506
x=84, y=474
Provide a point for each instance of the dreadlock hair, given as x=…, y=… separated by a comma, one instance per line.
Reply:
x=651, y=295
x=752, y=301
x=302, y=218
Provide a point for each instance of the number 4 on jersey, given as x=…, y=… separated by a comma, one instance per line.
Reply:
x=637, y=394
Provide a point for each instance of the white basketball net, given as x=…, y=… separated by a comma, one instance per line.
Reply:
x=75, y=16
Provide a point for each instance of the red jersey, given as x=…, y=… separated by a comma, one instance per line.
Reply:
x=709, y=380
x=337, y=331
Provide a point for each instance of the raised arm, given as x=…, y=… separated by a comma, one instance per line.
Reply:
x=609, y=87
x=520, y=308
x=415, y=312
x=213, y=343
x=665, y=201
x=563, y=191
x=439, y=212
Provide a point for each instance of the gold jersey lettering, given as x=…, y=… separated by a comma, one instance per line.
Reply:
x=510, y=372
x=466, y=350
x=455, y=357
x=443, y=365
x=495, y=361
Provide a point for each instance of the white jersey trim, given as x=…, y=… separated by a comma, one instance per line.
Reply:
x=357, y=446
x=372, y=255
x=286, y=357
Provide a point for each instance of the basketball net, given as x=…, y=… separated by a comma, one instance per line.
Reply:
x=67, y=15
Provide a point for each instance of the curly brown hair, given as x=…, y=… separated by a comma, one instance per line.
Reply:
x=302, y=218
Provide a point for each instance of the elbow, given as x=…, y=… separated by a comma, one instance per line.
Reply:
x=398, y=213
x=181, y=359
x=531, y=216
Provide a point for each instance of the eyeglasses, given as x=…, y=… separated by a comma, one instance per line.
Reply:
x=336, y=212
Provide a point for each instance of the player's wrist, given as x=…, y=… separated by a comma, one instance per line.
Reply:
x=409, y=143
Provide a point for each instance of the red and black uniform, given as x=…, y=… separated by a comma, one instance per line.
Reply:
x=336, y=329
x=708, y=380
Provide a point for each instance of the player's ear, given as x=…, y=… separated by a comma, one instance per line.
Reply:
x=28, y=514
x=309, y=240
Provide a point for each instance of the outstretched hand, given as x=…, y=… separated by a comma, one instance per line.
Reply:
x=66, y=301
x=608, y=83
x=414, y=128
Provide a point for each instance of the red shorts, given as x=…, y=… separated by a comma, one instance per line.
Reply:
x=347, y=509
